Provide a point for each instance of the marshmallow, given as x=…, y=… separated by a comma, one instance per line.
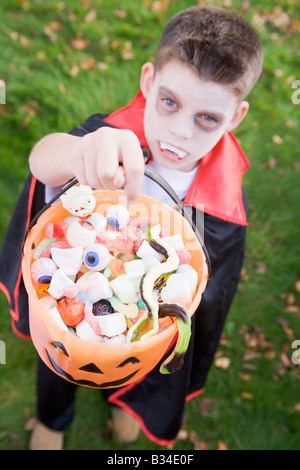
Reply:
x=175, y=241
x=146, y=249
x=84, y=331
x=119, y=339
x=190, y=272
x=58, y=282
x=135, y=271
x=97, y=287
x=124, y=289
x=112, y=324
x=179, y=289
x=148, y=262
x=54, y=313
x=68, y=259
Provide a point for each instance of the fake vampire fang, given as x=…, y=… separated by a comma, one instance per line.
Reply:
x=175, y=150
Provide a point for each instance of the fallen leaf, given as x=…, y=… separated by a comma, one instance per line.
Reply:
x=222, y=362
x=88, y=64
x=247, y=395
x=74, y=70
x=25, y=42
x=286, y=361
x=207, y=406
x=14, y=35
x=222, y=445
x=251, y=355
x=278, y=72
x=120, y=13
x=285, y=326
x=271, y=163
x=245, y=377
x=199, y=444
x=249, y=366
x=62, y=88
x=90, y=16
x=276, y=139
x=79, y=43
x=270, y=355
x=182, y=435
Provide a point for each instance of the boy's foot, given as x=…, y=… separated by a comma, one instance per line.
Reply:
x=44, y=438
x=126, y=429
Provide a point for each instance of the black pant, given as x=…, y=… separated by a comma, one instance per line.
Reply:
x=55, y=399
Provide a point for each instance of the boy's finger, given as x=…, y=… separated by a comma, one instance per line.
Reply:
x=133, y=163
x=119, y=179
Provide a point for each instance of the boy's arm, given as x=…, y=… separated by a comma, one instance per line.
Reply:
x=107, y=158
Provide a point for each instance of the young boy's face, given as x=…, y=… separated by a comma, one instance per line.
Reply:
x=185, y=116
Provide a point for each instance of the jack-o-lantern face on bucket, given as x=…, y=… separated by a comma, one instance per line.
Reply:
x=92, y=369
x=105, y=365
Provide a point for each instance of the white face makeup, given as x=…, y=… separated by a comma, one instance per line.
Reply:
x=185, y=116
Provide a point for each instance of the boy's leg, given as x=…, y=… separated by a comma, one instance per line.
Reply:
x=55, y=409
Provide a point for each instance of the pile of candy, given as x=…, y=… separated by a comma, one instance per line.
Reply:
x=109, y=278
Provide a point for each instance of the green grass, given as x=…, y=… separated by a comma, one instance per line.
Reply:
x=61, y=62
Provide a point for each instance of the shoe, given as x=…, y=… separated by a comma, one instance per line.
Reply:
x=126, y=429
x=44, y=438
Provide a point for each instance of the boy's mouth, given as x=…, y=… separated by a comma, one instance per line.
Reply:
x=179, y=153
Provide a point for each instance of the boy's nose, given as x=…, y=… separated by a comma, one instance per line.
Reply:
x=182, y=128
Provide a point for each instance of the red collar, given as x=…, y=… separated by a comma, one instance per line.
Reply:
x=218, y=182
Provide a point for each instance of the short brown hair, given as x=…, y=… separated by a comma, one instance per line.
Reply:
x=218, y=43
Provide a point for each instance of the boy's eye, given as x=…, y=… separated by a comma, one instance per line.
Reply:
x=169, y=102
x=207, y=121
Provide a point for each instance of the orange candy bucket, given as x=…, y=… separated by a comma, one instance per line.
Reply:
x=104, y=365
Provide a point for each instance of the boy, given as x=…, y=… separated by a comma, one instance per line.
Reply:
x=190, y=100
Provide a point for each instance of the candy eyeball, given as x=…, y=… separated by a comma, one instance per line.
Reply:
x=42, y=270
x=96, y=257
x=117, y=216
x=80, y=233
x=99, y=222
x=79, y=200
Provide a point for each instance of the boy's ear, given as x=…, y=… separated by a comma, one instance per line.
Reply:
x=238, y=116
x=146, y=79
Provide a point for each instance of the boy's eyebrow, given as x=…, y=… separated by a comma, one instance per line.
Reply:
x=217, y=114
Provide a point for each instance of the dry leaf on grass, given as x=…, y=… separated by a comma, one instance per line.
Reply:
x=222, y=445
x=222, y=362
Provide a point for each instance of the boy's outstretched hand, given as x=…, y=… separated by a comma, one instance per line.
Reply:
x=107, y=158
